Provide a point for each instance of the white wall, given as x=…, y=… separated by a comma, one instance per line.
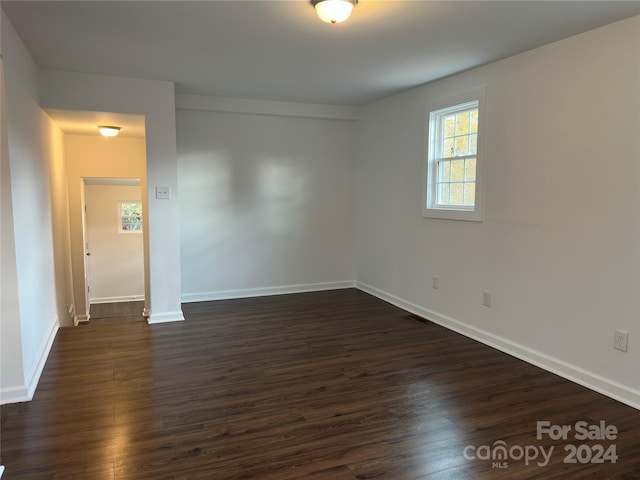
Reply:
x=156, y=101
x=559, y=247
x=11, y=367
x=116, y=272
x=59, y=188
x=32, y=144
x=265, y=203
x=94, y=156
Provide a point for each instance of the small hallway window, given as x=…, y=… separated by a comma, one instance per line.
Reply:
x=130, y=214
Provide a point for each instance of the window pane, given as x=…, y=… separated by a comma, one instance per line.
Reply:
x=443, y=194
x=131, y=226
x=130, y=208
x=473, y=144
x=470, y=194
x=449, y=126
x=457, y=192
x=470, y=170
x=444, y=173
x=462, y=123
x=474, y=121
x=462, y=145
x=448, y=148
x=457, y=170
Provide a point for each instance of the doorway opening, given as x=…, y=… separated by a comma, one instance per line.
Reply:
x=113, y=232
x=95, y=162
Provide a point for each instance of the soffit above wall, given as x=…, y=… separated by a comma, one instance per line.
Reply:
x=122, y=182
x=85, y=123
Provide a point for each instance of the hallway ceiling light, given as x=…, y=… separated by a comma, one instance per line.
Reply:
x=108, y=130
x=334, y=11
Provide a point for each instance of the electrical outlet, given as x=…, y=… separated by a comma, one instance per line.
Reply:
x=486, y=298
x=436, y=282
x=620, y=340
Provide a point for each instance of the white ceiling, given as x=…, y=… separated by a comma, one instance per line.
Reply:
x=279, y=50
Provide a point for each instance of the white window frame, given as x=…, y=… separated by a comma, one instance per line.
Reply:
x=434, y=110
x=121, y=216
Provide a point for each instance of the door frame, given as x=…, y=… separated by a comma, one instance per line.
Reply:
x=86, y=250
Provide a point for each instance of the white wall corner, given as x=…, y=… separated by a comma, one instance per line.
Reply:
x=266, y=291
x=43, y=353
x=165, y=317
x=590, y=380
x=24, y=393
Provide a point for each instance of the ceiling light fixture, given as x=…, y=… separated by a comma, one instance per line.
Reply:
x=108, y=130
x=334, y=11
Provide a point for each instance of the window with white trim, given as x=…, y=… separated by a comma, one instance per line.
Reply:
x=130, y=217
x=454, y=163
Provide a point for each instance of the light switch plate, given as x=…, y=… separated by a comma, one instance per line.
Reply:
x=163, y=192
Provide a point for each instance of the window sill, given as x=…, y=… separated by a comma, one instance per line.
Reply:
x=451, y=214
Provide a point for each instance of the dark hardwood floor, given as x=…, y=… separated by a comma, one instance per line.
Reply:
x=119, y=312
x=322, y=386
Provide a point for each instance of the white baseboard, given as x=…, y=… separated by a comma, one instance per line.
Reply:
x=130, y=298
x=593, y=381
x=78, y=319
x=43, y=353
x=14, y=395
x=265, y=291
x=24, y=393
x=165, y=317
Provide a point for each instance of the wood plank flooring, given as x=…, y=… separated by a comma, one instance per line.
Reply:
x=117, y=312
x=323, y=386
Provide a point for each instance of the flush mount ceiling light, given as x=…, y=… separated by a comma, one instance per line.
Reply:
x=334, y=11
x=108, y=130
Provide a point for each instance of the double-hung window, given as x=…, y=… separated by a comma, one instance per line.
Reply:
x=454, y=163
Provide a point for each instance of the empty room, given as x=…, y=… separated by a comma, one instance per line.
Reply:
x=320, y=239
